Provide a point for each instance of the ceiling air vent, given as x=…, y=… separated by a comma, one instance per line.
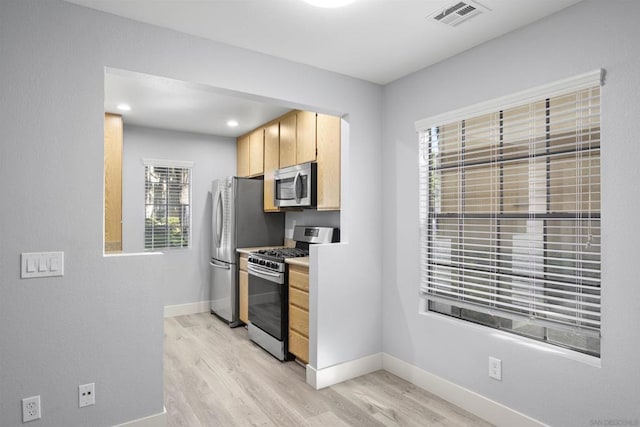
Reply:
x=458, y=13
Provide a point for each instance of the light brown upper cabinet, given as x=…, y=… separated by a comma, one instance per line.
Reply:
x=113, y=136
x=271, y=163
x=250, y=154
x=243, y=156
x=328, y=142
x=288, y=140
x=295, y=138
x=305, y=137
x=256, y=152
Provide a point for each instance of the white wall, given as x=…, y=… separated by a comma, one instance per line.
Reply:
x=102, y=321
x=185, y=272
x=545, y=385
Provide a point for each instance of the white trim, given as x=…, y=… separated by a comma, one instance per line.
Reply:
x=157, y=420
x=168, y=163
x=189, y=308
x=537, y=93
x=126, y=254
x=468, y=400
x=326, y=377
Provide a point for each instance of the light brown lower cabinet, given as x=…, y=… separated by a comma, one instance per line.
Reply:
x=299, y=312
x=243, y=291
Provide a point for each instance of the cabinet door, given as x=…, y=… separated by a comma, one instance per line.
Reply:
x=271, y=163
x=328, y=141
x=243, y=156
x=112, y=183
x=305, y=137
x=288, y=141
x=256, y=152
x=299, y=346
x=243, y=284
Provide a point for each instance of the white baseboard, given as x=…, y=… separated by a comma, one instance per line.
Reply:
x=157, y=420
x=189, y=308
x=468, y=400
x=321, y=378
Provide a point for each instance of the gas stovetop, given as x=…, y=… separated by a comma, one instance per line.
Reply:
x=279, y=254
x=273, y=258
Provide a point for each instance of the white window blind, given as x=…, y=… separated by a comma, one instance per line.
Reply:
x=167, y=205
x=510, y=211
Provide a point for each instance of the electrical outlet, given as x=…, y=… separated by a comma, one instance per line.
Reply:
x=86, y=395
x=31, y=409
x=495, y=368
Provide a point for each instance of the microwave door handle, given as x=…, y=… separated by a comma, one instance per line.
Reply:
x=296, y=180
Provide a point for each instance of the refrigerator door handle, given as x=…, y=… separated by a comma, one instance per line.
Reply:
x=222, y=266
x=218, y=218
x=214, y=216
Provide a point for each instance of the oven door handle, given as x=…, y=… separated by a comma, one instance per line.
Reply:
x=264, y=274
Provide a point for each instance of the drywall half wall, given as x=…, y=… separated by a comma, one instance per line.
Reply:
x=543, y=382
x=102, y=321
x=185, y=272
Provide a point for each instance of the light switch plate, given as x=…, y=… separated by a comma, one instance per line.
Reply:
x=41, y=264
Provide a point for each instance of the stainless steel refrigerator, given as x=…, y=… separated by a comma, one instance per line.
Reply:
x=238, y=221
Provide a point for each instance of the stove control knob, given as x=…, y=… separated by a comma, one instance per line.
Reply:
x=262, y=262
x=271, y=264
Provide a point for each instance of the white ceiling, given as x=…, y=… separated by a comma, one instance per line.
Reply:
x=374, y=40
x=177, y=105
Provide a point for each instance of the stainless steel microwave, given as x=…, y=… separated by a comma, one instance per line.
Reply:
x=295, y=186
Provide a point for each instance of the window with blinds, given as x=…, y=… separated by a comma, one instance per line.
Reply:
x=167, y=206
x=510, y=216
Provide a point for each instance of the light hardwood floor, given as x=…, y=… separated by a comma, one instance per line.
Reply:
x=215, y=376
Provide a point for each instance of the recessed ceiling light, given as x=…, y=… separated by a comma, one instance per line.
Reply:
x=329, y=3
x=124, y=107
x=232, y=123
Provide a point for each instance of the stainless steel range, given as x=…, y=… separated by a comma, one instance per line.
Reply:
x=268, y=289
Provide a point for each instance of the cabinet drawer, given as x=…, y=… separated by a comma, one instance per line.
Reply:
x=299, y=320
x=299, y=277
x=299, y=298
x=299, y=346
x=243, y=262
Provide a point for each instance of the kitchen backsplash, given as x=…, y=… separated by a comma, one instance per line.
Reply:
x=310, y=217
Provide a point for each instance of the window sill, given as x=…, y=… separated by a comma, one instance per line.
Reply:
x=128, y=254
